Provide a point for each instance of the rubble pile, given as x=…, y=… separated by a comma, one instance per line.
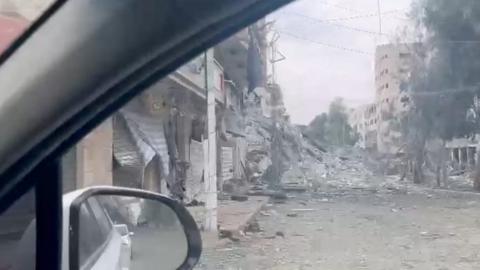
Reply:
x=305, y=164
x=347, y=171
x=258, y=162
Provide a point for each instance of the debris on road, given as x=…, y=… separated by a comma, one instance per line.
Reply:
x=358, y=221
x=303, y=210
x=228, y=234
x=239, y=198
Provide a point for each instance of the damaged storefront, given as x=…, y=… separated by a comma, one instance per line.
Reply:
x=140, y=151
x=232, y=149
x=158, y=140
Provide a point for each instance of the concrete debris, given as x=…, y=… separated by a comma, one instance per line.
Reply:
x=276, y=196
x=431, y=236
x=303, y=210
x=228, y=234
x=235, y=186
x=265, y=214
x=239, y=198
x=258, y=162
x=279, y=197
x=303, y=165
x=253, y=226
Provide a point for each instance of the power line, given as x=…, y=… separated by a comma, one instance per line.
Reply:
x=451, y=91
x=333, y=46
x=398, y=18
x=338, y=6
x=356, y=11
x=348, y=18
x=370, y=15
x=329, y=22
x=348, y=8
x=379, y=18
x=317, y=20
x=459, y=41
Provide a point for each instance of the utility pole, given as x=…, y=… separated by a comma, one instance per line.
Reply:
x=276, y=55
x=276, y=145
x=379, y=20
x=210, y=164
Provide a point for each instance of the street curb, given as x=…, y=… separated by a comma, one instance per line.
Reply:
x=236, y=232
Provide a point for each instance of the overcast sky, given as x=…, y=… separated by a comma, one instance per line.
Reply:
x=314, y=74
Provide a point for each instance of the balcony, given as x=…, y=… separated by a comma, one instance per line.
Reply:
x=192, y=77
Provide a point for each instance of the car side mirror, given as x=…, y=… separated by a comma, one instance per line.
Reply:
x=121, y=228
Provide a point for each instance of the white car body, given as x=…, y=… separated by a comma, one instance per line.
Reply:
x=116, y=252
x=126, y=248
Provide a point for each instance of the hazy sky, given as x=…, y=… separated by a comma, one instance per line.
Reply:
x=314, y=74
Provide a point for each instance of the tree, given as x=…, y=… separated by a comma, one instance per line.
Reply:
x=333, y=128
x=316, y=128
x=444, y=83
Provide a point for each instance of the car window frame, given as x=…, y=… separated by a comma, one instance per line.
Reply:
x=93, y=255
x=95, y=207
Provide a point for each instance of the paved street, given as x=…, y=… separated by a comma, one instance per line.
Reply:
x=359, y=229
x=152, y=247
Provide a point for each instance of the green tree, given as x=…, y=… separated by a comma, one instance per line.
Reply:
x=445, y=80
x=333, y=128
x=316, y=129
x=337, y=122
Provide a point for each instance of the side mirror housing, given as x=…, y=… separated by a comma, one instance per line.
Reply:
x=130, y=229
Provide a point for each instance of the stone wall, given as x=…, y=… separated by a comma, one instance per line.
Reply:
x=94, y=157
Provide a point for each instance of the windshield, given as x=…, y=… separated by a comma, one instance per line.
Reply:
x=339, y=134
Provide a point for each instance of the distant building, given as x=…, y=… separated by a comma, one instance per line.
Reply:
x=463, y=152
x=393, y=65
x=364, y=120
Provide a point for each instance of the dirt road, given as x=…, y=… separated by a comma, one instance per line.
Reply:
x=358, y=229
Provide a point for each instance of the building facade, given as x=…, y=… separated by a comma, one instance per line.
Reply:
x=463, y=152
x=393, y=64
x=158, y=141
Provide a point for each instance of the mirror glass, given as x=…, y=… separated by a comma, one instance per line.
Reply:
x=130, y=233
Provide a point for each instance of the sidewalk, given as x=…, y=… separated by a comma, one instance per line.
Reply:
x=233, y=217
